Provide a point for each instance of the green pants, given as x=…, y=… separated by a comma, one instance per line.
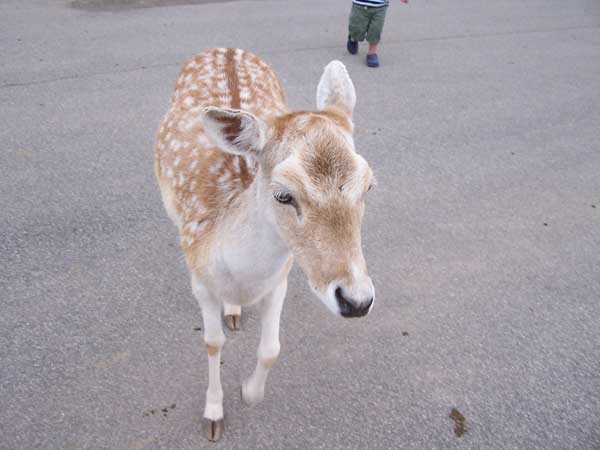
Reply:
x=366, y=21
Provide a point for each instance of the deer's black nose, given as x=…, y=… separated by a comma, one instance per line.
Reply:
x=350, y=307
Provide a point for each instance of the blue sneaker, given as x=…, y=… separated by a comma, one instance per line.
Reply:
x=352, y=46
x=372, y=60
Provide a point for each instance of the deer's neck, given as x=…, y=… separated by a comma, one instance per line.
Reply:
x=258, y=251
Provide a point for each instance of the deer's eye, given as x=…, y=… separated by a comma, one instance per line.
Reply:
x=284, y=197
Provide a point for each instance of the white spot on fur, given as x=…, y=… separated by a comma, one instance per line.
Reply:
x=244, y=94
x=222, y=86
x=169, y=202
x=202, y=140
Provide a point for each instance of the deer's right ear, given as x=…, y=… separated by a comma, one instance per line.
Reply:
x=234, y=131
x=336, y=89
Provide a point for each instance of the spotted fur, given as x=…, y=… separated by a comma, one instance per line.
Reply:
x=200, y=182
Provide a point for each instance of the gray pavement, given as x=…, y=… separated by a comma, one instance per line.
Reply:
x=483, y=236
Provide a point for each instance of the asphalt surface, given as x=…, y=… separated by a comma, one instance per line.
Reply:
x=482, y=237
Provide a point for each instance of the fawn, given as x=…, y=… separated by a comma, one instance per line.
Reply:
x=251, y=186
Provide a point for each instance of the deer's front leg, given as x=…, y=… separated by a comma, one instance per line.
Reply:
x=253, y=390
x=214, y=340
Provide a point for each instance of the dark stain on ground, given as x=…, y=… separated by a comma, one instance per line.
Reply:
x=545, y=224
x=593, y=206
x=123, y=5
x=460, y=426
x=405, y=333
x=164, y=410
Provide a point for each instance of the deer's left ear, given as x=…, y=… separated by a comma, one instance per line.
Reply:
x=336, y=88
x=234, y=131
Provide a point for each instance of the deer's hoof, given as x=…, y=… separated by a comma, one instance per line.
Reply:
x=213, y=429
x=233, y=322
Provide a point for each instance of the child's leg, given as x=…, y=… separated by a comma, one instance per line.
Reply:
x=375, y=28
x=358, y=23
x=372, y=48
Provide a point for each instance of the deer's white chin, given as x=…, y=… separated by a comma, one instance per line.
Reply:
x=327, y=296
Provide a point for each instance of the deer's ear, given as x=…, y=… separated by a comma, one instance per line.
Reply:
x=234, y=131
x=336, y=88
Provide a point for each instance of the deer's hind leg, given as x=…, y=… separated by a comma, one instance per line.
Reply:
x=232, y=315
x=214, y=340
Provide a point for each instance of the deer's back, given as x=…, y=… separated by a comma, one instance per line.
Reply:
x=230, y=78
x=199, y=182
